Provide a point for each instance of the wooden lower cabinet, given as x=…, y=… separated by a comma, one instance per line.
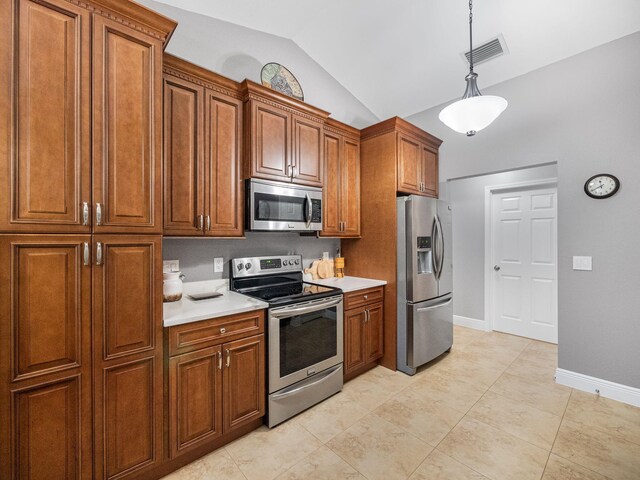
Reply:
x=244, y=381
x=363, y=331
x=215, y=390
x=45, y=357
x=195, y=381
x=127, y=352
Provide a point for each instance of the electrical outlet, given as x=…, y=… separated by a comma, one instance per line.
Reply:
x=170, y=266
x=218, y=264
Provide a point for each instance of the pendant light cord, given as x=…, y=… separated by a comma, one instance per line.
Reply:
x=470, y=36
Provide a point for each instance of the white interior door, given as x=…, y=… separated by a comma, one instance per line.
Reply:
x=524, y=254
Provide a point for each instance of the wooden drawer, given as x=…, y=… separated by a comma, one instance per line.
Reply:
x=206, y=333
x=363, y=297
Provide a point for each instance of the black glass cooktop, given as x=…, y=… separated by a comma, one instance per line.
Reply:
x=290, y=293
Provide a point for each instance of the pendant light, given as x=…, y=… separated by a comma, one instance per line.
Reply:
x=474, y=111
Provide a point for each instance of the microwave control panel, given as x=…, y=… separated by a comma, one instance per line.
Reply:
x=316, y=211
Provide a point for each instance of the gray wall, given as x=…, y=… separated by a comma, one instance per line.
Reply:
x=196, y=254
x=238, y=52
x=584, y=113
x=467, y=198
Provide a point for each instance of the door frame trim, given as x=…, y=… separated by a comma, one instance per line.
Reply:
x=489, y=191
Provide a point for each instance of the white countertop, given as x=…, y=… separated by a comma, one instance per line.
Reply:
x=187, y=310
x=350, y=284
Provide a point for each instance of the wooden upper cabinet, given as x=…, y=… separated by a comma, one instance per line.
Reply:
x=184, y=172
x=223, y=141
x=332, y=191
x=341, y=192
x=46, y=87
x=430, y=170
x=307, y=159
x=413, y=151
x=350, y=168
x=127, y=123
x=409, y=165
x=270, y=146
x=283, y=137
x=45, y=357
x=203, y=187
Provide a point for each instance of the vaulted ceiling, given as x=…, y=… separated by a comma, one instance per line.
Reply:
x=399, y=57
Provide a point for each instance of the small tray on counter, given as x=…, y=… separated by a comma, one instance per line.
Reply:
x=203, y=295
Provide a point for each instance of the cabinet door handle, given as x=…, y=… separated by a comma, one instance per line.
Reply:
x=220, y=360
x=98, y=214
x=85, y=213
x=228, y=358
x=294, y=172
x=289, y=170
x=208, y=222
x=200, y=222
x=366, y=316
x=86, y=260
x=99, y=253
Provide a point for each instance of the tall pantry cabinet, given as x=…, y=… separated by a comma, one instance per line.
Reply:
x=80, y=238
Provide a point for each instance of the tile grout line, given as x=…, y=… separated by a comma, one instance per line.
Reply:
x=470, y=408
x=556, y=438
x=234, y=460
x=557, y=432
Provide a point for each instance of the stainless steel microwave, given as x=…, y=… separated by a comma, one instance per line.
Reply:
x=282, y=207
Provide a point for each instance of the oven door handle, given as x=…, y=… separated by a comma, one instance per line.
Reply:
x=318, y=378
x=285, y=312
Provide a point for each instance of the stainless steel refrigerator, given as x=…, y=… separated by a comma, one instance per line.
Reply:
x=425, y=281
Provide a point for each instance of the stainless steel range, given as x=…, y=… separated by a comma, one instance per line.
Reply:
x=305, y=332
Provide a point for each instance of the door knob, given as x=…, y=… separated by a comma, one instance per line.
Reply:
x=496, y=267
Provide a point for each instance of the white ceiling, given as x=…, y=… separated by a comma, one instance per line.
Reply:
x=399, y=57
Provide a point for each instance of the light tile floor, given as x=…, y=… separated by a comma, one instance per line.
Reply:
x=490, y=409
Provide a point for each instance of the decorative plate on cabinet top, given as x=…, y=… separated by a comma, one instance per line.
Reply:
x=280, y=79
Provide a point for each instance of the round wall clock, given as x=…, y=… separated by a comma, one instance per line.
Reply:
x=274, y=75
x=602, y=185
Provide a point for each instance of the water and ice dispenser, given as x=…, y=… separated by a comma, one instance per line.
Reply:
x=425, y=256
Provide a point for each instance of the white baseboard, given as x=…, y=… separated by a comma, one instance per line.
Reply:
x=605, y=388
x=470, y=322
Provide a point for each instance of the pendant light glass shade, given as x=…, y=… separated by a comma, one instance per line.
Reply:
x=474, y=111
x=472, y=114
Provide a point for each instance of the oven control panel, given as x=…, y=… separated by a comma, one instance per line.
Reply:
x=250, y=266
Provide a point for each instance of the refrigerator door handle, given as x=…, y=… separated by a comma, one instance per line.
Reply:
x=424, y=309
x=440, y=250
x=436, y=247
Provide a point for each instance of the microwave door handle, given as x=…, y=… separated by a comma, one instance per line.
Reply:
x=309, y=210
x=285, y=312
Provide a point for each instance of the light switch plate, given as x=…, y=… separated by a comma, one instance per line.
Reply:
x=218, y=264
x=170, y=266
x=582, y=263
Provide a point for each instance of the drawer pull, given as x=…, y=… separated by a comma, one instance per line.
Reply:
x=366, y=296
x=223, y=330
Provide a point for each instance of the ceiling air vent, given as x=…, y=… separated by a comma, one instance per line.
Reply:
x=487, y=51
